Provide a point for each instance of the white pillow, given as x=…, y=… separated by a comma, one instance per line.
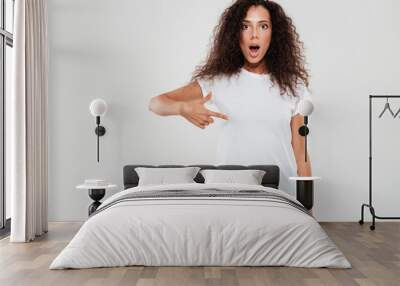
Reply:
x=249, y=177
x=162, y=176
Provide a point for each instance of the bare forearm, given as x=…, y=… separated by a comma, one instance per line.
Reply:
x=303, y=167
x=165, y=106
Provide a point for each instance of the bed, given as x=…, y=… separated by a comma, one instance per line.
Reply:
x=201, y=224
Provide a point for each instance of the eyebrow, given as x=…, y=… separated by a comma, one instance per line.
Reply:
x=262, y=21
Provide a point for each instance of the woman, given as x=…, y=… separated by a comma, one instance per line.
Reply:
x=255, y=75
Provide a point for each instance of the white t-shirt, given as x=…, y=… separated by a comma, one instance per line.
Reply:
x=258, y=130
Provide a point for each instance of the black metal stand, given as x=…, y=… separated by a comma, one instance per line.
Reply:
x=369, y=205
x=96, y=195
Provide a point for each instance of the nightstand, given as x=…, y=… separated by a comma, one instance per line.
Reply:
x=305, y=190
x=96, y=193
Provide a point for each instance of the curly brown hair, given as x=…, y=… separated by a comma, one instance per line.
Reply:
x=284, y=58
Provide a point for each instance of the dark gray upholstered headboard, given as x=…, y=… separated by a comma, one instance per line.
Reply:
x=270, y=179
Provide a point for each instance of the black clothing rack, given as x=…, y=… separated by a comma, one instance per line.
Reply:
x=371, y=208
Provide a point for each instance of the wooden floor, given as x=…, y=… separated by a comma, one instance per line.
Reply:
x=374, y=255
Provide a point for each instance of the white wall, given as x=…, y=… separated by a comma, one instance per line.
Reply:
x=128, y=51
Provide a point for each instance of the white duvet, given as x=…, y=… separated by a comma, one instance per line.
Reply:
x=200, y=231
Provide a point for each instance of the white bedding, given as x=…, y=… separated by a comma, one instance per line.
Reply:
x=200, y=231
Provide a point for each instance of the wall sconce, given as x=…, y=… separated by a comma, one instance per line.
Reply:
x=306, y=107
x=98, y=108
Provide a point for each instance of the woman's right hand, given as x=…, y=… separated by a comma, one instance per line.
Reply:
x=195, y=112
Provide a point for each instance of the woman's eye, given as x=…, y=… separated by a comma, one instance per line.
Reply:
x=244, y=26
x=265, y=27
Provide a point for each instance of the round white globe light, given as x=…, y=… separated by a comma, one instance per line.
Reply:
x=98, y=107
x=306, y=107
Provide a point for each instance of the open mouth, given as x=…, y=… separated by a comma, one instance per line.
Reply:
x=254, y=50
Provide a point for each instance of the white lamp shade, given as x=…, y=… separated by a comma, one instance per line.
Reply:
x=98, y=107
x=306, y=107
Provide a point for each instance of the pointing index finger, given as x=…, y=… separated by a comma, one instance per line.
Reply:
x=219, y=115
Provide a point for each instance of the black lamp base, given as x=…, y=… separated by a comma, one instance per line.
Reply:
x=96, y=195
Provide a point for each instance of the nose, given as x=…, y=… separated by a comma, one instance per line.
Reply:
x=254, y=33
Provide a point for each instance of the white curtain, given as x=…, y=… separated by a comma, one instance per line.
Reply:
x=27, y=122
